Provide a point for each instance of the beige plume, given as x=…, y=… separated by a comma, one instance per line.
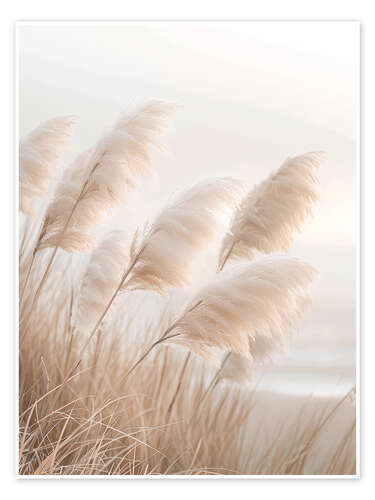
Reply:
x=101, y=278
x=273, y=210
x=100, y=179
x=39, y=155
x=181, y=232
x=249, y=310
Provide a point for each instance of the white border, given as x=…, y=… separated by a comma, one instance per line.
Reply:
x=358, y=258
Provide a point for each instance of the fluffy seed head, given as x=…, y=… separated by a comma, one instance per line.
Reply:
x=273, y=210
x=248, y=310
x=39, y=155
x=182, y=232
x=99, y=180
x=102, y=277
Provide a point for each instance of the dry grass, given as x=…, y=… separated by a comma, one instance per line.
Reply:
x=99, y=423
x=88, y=411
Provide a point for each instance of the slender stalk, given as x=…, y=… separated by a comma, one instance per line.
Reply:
x=211, y=387
x=40, y=235
x=22, y=292
x=215, y=379
x=108, y=306
x=39, y=289
x=96, y=357
x=52, y=258
x=89, y=338
x=170, y=407
x=163, y=338
x=69, y=351
x=144, y=355
x=161, y=378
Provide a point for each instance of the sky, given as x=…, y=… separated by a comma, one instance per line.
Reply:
x=251, y=95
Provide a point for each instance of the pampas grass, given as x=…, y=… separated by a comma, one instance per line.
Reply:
x=101, y=279
x=265, y=222
x=39, y=155
x=133, y=405
x=165, y=256
x=273, y=210
x=248, y=310
x=99, y=180
x=181, y=233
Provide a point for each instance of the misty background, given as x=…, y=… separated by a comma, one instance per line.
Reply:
x=251, y=94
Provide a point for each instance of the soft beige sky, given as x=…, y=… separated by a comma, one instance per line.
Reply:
x=252, y=94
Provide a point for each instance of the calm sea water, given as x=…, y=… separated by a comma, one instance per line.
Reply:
x=310, y=372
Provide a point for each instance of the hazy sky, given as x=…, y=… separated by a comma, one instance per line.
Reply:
x=252, y=94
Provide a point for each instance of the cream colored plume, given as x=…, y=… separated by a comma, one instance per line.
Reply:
x=39, y=155
x=181, y=232
x=102, y=277
x=100, y=179
x=273, y=210
x=249, y=310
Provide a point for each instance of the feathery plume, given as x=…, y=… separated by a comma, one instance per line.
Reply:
x=273, y=210
x=76, y=237
x=101, y=279
x=39, y=155
x=181, y=232
x=249, y=310
x=100, y=179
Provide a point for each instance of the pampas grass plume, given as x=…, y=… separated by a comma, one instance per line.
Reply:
x=101, y=279
x=182, y=232
x=39, y=155
x=99, y=180
x=249, y=310
x=271, y=213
